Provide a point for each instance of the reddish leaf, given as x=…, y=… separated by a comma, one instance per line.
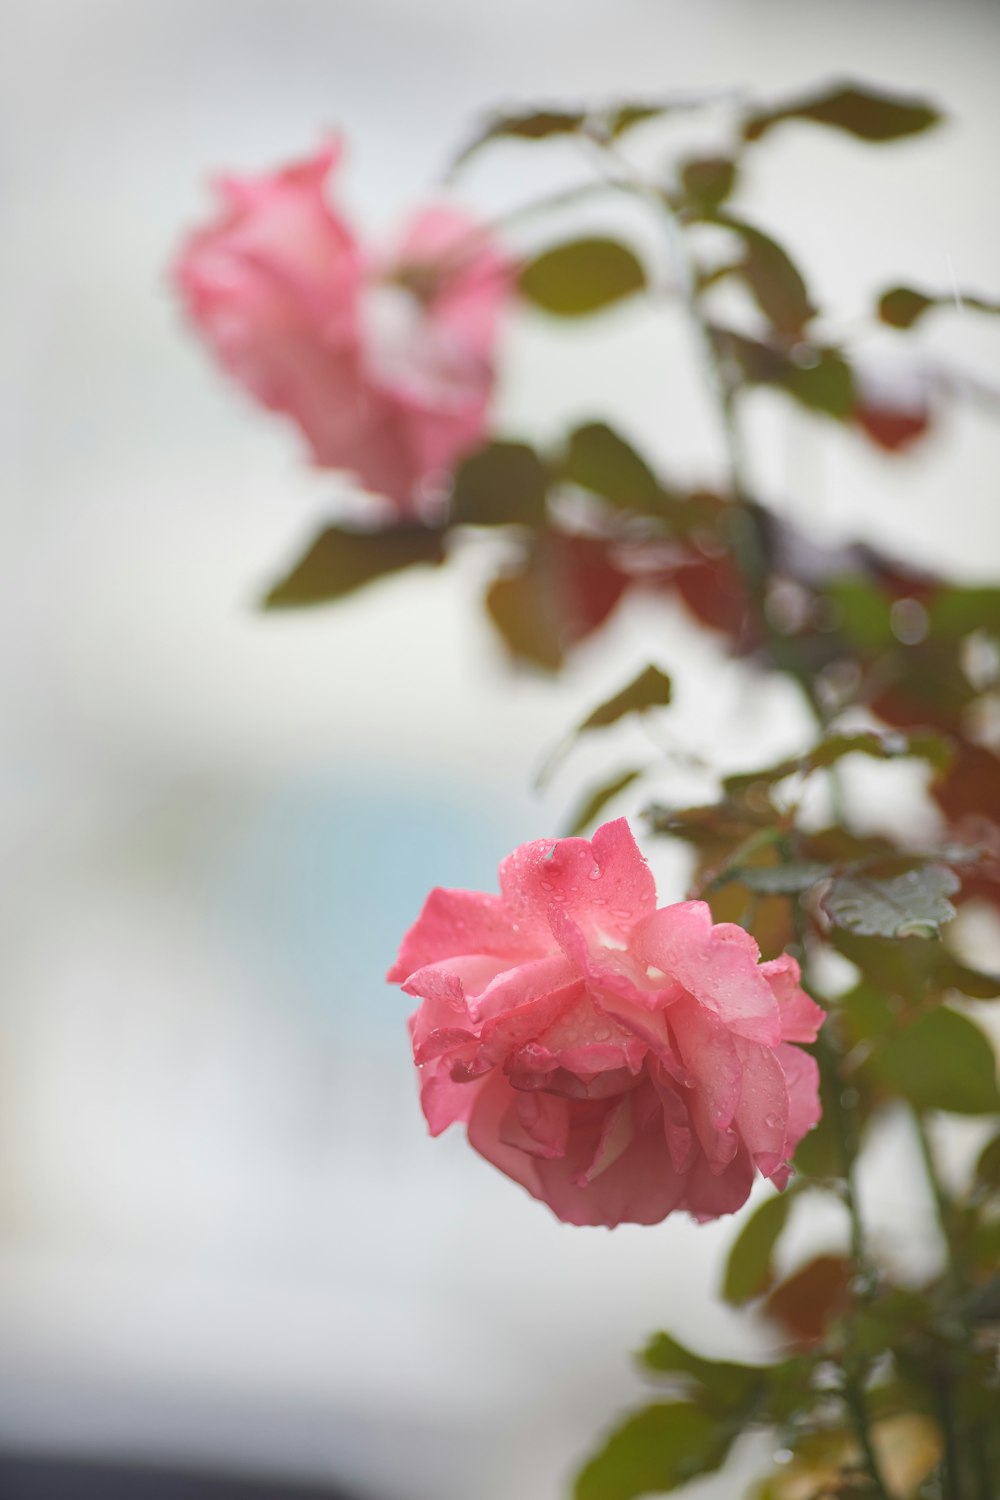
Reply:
x=892, y=427
x=807, y=1302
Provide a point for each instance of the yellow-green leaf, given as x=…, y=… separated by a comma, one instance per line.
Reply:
x=581, y=276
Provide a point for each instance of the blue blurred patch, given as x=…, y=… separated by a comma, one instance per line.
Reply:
x=320, y=880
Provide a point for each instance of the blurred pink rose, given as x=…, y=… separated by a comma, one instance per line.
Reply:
x=385, y=362
x=618, y=1061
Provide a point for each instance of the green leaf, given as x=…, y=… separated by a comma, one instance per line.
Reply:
x=939, y=1061
x=773, y=277
x=588, y=812
x=818, y=378
x=913, y=904
x=522, y=609
x=657, y=1450
x=902, y=306
x=341, y=561
x=623, y=117
x=821, y=381
x=501, y=485
x=869, y=114
x=527, y=125
x=988, y=1165
x=833, y=748
x=581, y=276
x=912, y=969
x=955, y=612
x=651, y=689
x=720, y=1386
x=750, y=1264
x=921, y=744
x=818, y=1154
x=600, y=460
x=708, y=180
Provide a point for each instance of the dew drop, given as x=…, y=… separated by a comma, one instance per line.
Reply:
x=595, y=873
x=783, y=1455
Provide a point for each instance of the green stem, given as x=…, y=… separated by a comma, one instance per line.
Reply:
x=955, y=1285
x=942, y=1205
x=744, y=534
x=946, y=1415
x=856, y=1402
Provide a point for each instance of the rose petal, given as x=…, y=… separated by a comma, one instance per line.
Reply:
x=717, y=964
x=801, y=1017
x=455, y=922
x=802, y=1082
x=604, y=885
x=762, y=1113
x=443, y=1101
x=714, y=1079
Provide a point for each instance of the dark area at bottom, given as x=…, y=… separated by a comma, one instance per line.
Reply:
x=40, y=1478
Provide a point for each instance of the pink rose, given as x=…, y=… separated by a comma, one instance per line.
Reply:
x=617, y=1060
x=386, y=363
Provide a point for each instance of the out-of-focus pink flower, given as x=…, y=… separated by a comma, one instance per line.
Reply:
x=617, y=1060
x=386, y=362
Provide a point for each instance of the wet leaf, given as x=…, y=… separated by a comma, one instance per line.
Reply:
x=750, y=1264
x=784, y=880
x=581, y=276
x=588, y=812
x=657, y=1450
x=341, y=561
x=867, y=113
x=913, y=904
x=501, y=485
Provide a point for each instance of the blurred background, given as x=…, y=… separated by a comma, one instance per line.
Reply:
x=225, y=1243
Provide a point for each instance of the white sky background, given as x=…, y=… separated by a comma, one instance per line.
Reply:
x=222, y=1231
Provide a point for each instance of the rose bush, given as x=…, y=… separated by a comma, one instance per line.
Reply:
x=385, y=362
x=618, y=1061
